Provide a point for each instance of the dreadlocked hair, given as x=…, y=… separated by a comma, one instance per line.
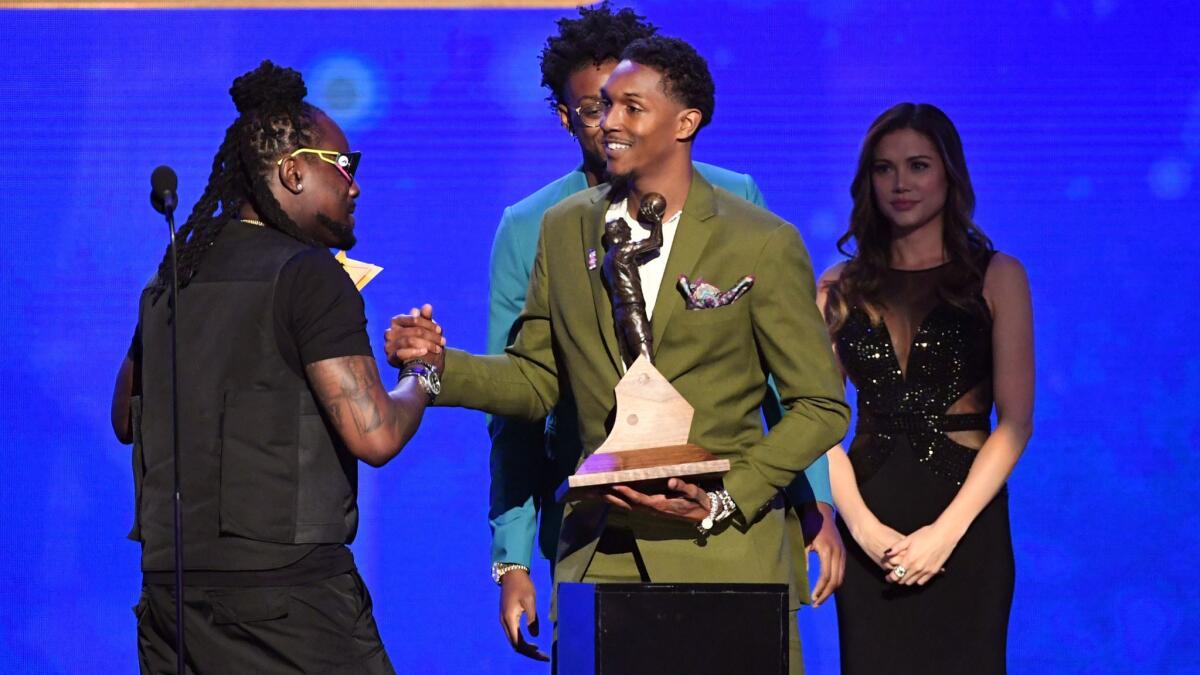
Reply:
x=272, y=119
x=598, y=35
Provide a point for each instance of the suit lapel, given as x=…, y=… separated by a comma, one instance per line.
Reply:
x=592, y=230
x=691, y=236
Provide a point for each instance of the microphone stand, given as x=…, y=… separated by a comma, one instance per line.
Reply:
x=163, y=199
x=180, y=647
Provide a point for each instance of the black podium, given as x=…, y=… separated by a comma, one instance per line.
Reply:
x=657, y=629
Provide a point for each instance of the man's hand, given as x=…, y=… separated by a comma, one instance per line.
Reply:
x=689, y=502
x=518, y=596
x=415, y=336
x=821, y=534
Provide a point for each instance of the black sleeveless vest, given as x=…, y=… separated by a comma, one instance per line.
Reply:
x=263, y=475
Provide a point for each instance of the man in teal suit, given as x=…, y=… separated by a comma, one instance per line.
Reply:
x=528, y=461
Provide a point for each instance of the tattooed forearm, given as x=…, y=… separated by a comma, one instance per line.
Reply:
x=357, y=384
x=374, y=423
x=349, y=388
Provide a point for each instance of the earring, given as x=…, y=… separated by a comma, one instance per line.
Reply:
x=299, y=187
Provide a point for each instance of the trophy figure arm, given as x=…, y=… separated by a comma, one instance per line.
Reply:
x=655, y=240
x=642, y=249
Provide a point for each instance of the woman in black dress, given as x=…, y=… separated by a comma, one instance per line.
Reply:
x=932, y=326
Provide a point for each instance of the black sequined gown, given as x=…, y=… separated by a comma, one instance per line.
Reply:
x=924, y=382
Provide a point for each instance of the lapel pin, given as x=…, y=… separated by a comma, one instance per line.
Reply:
x=591, y=259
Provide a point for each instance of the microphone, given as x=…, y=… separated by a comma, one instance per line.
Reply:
x=163, y=183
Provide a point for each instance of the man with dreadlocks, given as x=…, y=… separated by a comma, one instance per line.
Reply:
x=280, y=397
x=530, y=460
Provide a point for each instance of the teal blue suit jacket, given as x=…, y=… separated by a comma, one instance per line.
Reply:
x=528, y=461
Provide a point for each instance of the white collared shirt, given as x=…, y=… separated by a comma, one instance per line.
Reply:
x=651, y=272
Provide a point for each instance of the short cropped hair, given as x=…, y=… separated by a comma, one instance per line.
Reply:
x=685, y=73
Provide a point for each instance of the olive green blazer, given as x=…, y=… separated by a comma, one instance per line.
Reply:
x=718, y=359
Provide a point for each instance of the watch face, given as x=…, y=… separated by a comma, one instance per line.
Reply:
x=435, y=382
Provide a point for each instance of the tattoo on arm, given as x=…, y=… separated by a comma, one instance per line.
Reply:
x=351, y=392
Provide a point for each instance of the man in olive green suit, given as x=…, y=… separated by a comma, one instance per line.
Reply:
x=529, y=460
x=718, y=358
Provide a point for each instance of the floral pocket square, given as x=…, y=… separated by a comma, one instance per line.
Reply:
x=700, y=294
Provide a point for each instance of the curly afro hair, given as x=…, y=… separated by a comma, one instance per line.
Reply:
x=598, y=35
x=685, y=75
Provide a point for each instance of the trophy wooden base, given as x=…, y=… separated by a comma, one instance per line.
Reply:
x=648, y=443
x=646, y=470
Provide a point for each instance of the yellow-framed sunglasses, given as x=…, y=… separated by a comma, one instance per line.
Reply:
x=345, y=162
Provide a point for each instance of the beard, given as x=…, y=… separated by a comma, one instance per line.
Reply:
x=621, y=183
x=341, y=234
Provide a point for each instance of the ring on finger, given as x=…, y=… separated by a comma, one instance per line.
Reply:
x=899, y=571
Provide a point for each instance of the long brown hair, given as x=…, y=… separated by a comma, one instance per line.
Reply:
x=966, y=245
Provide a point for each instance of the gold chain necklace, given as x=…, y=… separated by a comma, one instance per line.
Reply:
x=248, y=221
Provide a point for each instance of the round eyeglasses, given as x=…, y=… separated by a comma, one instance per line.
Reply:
x=591, y=114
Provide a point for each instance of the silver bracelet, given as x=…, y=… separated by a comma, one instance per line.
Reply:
x=728, y=507
x=720, y=507
x=715, y=504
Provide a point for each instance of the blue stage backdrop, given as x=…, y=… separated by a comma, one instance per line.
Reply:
x=1081, y=120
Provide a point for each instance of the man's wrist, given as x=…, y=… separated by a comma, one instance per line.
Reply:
x=426, y=374
x=499, y=569
x=820, y=511
x=720, y=507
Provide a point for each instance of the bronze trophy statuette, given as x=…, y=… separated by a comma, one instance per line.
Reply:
x=649, y=440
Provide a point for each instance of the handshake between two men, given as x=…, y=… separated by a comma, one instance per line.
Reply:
x=416, y=339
